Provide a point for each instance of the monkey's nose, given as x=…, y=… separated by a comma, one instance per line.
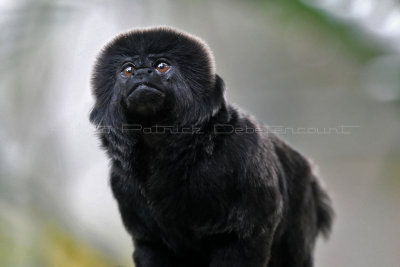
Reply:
x=143, y=71
x=143, y=75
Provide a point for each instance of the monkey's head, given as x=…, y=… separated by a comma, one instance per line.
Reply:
x=157, y=75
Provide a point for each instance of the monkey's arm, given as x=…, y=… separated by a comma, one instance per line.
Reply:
x=149, y=249
x=253, y=225
x=243, y=248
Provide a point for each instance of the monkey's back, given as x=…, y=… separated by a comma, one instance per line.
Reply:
x=306, y=209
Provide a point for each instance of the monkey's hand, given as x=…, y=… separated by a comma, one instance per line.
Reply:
x=153, y=255
x=252, y=251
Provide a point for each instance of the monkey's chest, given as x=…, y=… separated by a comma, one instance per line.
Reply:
x=157, y=207
x=168, y=222
x=168, y=202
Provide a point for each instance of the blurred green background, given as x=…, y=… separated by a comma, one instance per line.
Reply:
x=319, y=65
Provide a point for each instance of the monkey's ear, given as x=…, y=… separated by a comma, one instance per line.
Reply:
x=96, y=115
x=218, y=93
x=104, y=114
x=219, y=83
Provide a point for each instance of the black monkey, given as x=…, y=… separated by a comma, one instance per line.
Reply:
x=198, y=182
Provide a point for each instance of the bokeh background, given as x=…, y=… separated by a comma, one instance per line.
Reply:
x=327, y=71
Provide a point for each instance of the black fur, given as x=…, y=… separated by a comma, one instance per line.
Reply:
x=215, y=188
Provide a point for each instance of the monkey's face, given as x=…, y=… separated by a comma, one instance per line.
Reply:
x=158, y=74
x=145, y=82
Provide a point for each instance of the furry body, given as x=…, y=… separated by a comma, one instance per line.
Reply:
x=198, y=182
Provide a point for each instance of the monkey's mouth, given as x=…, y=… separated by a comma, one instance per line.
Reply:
x=144, y=86
x=145, y=98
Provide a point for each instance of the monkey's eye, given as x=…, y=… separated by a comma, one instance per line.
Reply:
x=128, y=71
x=162, y=67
